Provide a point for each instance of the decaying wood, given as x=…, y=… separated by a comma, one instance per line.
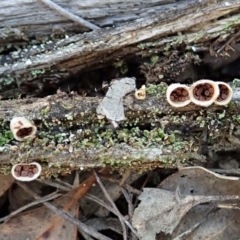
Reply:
x=194, y=23
x=71, y=135
x=101, y=13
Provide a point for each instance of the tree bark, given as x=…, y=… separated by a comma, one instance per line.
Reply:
x=71, y=136
x=193, y=23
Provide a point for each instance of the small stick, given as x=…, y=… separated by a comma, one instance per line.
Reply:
x=113, y=205
x=102, y=203
x=128, y=198
x=42, y=200
x=231, y=172
x=54, y=184
x=125, y=185
x=69, y=15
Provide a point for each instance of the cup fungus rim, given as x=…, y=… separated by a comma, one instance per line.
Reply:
x=27, y=123
x=206, y=103
x=23, y=178
x=171, y=88
x=229, y=97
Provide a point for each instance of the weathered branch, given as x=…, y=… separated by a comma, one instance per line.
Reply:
x=103, y=13
x=197, y=22
x=71, y=136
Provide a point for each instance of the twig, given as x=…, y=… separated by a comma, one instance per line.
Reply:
x=229, y=42
x=42, y=200
x=69, y=15
x=143, y=185
x=129, y=201
x=113, y=205
x=102, y=203
x=128, y=198
x=126, y=186
x=80, y=225
x=54, y=184
x=232, y=172
x=57, y=180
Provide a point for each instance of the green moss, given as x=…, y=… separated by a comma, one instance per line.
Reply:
x=153, y=89
x=5, y=137
x=45, y=110
x=154, y=59
x=37, y=72
x=6, y=170
x=237, y=118
x=236, y=83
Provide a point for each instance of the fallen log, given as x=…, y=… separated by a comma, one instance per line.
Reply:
x=39, y=63
x=70, y=133
x=72, y=136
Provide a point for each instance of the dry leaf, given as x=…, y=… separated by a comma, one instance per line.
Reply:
x=43, y=224
x=200, y=181
x=29, y=225
x=166, y=211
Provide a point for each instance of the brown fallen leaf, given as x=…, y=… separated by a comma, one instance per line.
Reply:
x=221, y=225
x=29, y=225
x=174, y=210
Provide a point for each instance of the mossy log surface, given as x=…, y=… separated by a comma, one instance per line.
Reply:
x=37, y=62
x=71, y=136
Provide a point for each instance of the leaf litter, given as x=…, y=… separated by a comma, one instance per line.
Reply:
x=193, y=203
x=43, y=224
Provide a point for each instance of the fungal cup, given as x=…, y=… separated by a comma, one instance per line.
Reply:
x=204, y=92
x=26, y=172
x=178, y=95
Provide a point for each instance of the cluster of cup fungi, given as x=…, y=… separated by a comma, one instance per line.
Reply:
x=23, y=129
x=202, y=93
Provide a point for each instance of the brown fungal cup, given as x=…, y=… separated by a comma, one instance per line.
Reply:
x=178, y=95
x=26, y=172
x=204, y=92
x=22, y=128
x=225, y=94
